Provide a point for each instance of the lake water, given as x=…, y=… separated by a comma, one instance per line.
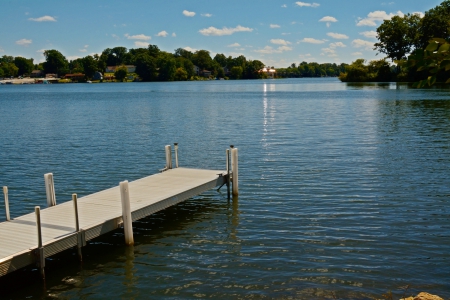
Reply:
x=344, y=189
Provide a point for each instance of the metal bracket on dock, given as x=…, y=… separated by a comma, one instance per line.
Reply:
x=40, y=258
x=81, y=238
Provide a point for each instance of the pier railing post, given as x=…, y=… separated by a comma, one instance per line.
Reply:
x=40, y=249
x=50, y=189
x=168, y=157
x=5, y=192
x=175, y=146
x=234, y=162
x=80, y=237
x=126, y=212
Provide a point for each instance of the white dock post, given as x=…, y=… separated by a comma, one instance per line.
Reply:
x=5, y=192
x=175, y=146
x=228, y=173
x=126, y=212
x=234, y=163
x=50, y=189
x=77, y=226
x=168, y=157
x=40, y=249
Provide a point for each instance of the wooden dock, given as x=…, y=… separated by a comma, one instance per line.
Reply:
x=31, y=238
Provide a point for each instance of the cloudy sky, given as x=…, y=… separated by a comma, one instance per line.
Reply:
x=277, y=32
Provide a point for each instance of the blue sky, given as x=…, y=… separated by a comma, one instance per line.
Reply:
x=276, y=32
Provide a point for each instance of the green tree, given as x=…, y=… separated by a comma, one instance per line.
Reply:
x=202, y=59
x=221, y=59
x=90, y=66
x=181, y=74
x=146, y=67
x=236, y=72
x=435, y=24
x=435, y=59
x=167, y=67
x=55, y=62
x=153, y=50
x=180, y=52
x=356, y=72
x=9, y=69
x=398, y=36
x=6, y=59
x=24, y=65
x=121, y=73
x=187, y=65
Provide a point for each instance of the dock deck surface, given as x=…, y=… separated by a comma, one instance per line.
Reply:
x=99, y=213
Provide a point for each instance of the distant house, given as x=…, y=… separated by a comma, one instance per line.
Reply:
x=112, y=69
x=37, y=74
x=51, y=75
x=196, y=70
x=270, y=72
x=206, y=73
x=97, y=76
x=75, y=77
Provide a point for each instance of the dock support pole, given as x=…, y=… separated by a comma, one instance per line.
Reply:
x=234, y=162
x=80, y=237
x=50, y=189
x=5, y=192
x=228, y=173
x=126, y=212
x=175, y=146
x=40, y=249
x=168, y=157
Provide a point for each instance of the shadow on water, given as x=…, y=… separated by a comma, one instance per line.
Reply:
x=108, y=253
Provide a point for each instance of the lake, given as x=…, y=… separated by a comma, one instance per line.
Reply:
x=344, y=188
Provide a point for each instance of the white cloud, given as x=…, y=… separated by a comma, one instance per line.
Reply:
x=328, y=20
x=83, y=50
x=305, y=4
x=284, y=6
x=369, y=34
x=72, y=57
x=40, y=51
x=419, y=13
x=271, y=50
x=234, y=45
x=377, y=16
x=358, y=43
x=142, y=37
x=280, y=42
x=338, y=36
x=285, y=33
x=207, y=15
x=224, y=31
x=357, y=53
x=328, y=50
x=1, y=49
x=43, y=19
x=141, y=44
x=174, y=34
x=24, y=42
x=312, y=41
x=162, y=33
x=336, y=45
x=115, y=36
x=188, y=13
x=190, y=49
x=274, y=26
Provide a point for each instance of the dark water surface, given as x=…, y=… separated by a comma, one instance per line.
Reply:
x=344, y=189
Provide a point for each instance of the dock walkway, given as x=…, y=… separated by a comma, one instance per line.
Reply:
x=98, y=213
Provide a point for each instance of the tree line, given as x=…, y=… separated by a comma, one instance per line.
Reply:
x=312, y=69
x=152, y=64
x=419, y=46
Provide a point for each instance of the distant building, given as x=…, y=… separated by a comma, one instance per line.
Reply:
x=196, y=70
x=270, y=72
x=75, y=77
x=206, y=73
x=112, y=69
x=50, y=75
x=37, y=74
